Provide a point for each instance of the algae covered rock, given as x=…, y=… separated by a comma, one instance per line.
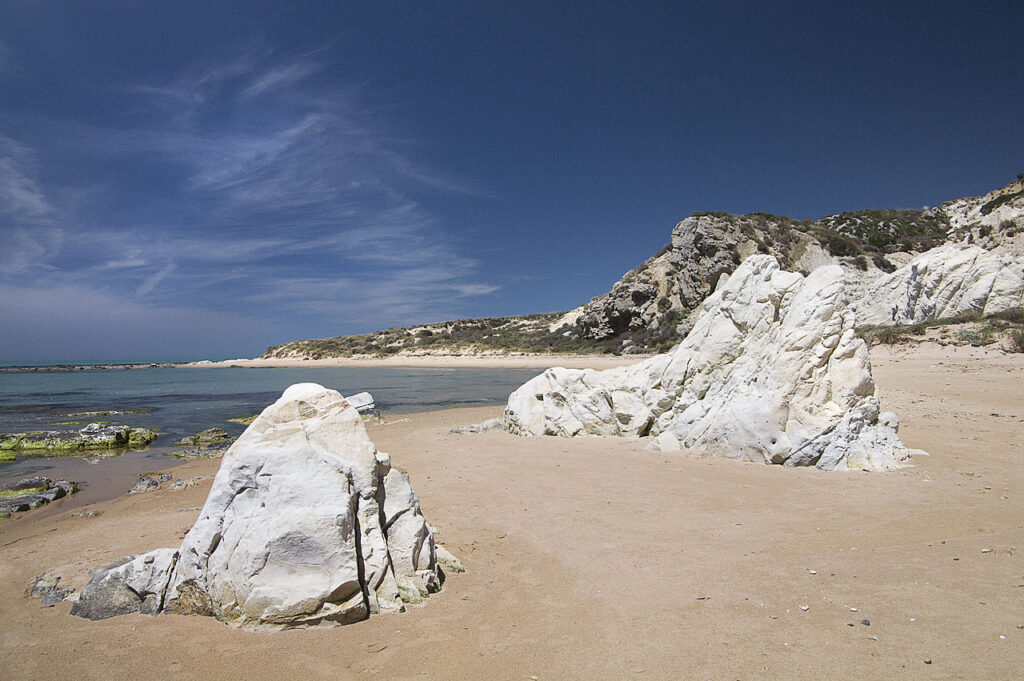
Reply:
x=207, y=444
x=93, y=436
x=205, y=437
x=30, y=493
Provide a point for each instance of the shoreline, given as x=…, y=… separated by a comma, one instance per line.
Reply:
x=510, y=361
x=69, y=368
x=598, y=558
x=462, y=361
x=513, y=360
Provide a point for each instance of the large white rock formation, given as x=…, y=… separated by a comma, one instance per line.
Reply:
x=772, y=371
x=306, y=523
x=946, y=281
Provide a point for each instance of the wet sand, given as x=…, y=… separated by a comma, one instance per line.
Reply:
x=598, y=559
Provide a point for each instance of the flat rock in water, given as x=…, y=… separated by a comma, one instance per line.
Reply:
x=363, y=401
x=206, y=437
x=92, y=437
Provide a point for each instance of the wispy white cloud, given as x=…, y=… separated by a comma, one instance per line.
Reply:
x=196, y=85
x=279, y=197
x=21, y=197
x=151, y=281
x=26, y=251
x=280, y=76
x=124, y=263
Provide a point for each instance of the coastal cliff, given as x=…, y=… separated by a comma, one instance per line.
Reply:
x=965, y=257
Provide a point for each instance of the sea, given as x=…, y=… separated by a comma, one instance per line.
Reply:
x=182, y=401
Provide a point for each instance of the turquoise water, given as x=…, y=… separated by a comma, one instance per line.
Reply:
x=183, y=401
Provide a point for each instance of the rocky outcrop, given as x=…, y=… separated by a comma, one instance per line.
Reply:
x=30, y=493
x=132, y=584
x=707, y=245
x=205, y=437
x=640, y=300
x=653, y=306
x=207, y=444
x=306, y=523
x=363, y=402
x=998, y=215
x=772, y=371
x=651, y=300
x=92, y=436
x=46, y=587
x=951, y=280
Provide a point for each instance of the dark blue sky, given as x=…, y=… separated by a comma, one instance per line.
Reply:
x=185, y=180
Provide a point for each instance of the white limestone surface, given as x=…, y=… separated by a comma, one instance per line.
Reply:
x=306, y=523
x=772, y=371
x=950, y=280
x=292, y=531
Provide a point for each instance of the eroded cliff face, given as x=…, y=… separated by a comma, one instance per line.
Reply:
x=978, y=270
x=951, y=280
x=998, y=215
x=655, y=304
x=651, y=306
x=643, y=300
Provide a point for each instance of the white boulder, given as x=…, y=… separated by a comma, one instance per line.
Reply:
x=772, y=371
x=306, y=523
x=361, y=401
x=132, y=584
x=946, y=281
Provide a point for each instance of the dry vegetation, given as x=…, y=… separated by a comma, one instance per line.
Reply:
x=968, y=329
x=860, y=238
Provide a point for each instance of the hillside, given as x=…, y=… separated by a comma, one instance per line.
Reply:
x=649, y=308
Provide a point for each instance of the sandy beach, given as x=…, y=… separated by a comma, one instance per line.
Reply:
x=483, y=360
x=599, y=559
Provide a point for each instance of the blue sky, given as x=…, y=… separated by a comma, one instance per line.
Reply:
x=204, y=179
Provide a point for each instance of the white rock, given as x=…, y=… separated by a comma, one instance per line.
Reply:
x=666, y=442
x=994, y=209
x=361, y=401
x=410, y=539
x=306, y=523
x=291, y=533
x=134, y=584
x=946, y=281
x=772, y=371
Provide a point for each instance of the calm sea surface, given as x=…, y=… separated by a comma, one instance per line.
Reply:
x=183, y=401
